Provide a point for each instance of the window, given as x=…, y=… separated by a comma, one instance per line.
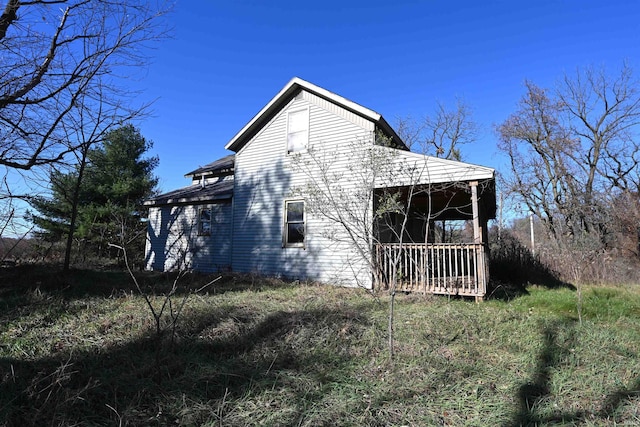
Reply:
x=204, y=221
x=297, y=130
x=294, y=223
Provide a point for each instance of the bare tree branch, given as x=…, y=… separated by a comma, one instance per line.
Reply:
x=574, y=152
x=52, y=57
x=442, y=133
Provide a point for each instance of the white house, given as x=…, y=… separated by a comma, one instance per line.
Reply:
x=256, y=210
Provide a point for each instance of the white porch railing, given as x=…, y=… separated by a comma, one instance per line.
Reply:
x=441, y=268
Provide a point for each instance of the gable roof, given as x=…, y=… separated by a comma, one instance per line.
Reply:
x=288, y=92
x=223, y=166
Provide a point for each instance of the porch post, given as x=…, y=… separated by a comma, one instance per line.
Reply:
x=478, y=239
x=477, y=229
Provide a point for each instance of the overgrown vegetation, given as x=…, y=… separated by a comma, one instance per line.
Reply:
x=574, y=164
x=78, y=349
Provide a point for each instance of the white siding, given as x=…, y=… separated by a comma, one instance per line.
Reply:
x=406, y=168
x=264, y=179
x=338, y=111
x=173, y=242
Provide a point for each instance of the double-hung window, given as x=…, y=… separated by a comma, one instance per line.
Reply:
x=294, y=229
x=204, y=221
x=297, y=130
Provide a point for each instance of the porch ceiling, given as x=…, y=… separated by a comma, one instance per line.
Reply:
x=449, y=201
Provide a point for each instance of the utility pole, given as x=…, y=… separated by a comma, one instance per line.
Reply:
x=533, y=238
x=500, y=224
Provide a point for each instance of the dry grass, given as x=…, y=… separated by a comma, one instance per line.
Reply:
x=81, y=350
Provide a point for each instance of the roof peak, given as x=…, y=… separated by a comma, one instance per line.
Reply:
x=285, y=94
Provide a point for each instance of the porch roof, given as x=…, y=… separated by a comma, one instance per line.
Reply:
x=409, y=168
x=440, y=187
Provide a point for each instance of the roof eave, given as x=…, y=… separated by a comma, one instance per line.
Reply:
x=186, y=200
x=219, y=172
x=395, y=138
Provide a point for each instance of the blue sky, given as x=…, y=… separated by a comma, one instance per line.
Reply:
x=227, y=59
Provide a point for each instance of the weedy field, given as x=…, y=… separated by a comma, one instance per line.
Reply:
x=85, y=349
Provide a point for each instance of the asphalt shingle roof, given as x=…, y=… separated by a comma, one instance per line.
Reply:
x=222, y=190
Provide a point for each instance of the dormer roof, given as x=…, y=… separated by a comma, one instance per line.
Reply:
x=223, y=166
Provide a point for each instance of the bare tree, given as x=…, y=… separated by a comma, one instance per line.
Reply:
x=540, y=152
x=64, y=61
x=54, y=53
x=574, y=157
x=346, y=204
x=604, y=112
x=441, y=133
x=571, y=150
x=11, y=221
x=165, y=310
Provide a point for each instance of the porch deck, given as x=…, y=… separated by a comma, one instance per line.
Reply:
x=439, y=268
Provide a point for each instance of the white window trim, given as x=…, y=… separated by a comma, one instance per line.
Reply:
x=306, y=143
x=285, y=225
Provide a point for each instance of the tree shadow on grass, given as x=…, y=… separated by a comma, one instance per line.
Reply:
x=20, y=284
x=617, y=399
x=225, y=355
x=533, y=394
x=513, y=267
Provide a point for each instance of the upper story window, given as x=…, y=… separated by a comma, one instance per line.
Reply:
x=204, y=221
x=297, y=130
x=294, y=229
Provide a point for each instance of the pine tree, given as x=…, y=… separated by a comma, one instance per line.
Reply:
x=114, y=182
x=55, y=212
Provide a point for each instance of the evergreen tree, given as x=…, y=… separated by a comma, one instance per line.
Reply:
x=115, y=180
x=55, y=212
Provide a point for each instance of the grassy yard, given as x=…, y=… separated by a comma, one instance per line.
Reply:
x=82, y=349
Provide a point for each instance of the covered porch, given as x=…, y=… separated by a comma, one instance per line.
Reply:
x=439, y=244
